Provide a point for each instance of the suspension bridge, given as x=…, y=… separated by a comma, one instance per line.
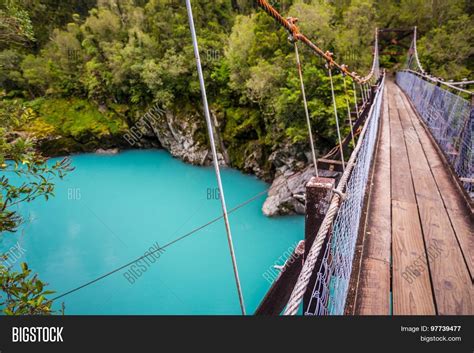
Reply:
x=392, y=234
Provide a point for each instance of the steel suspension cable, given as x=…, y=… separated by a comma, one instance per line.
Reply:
x=364, y=93
x=308, y=122
x=413, y=54
x=214, y=154
x=438, y=81
x=355, y=99
x=461, y=83
x=336, y=117
x=291, y=27
x=348, y=109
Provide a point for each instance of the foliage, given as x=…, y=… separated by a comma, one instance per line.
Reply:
x=135, y=53
x=15, y=24
x=19, y=158
x=445, y=31
x=138, y=53
x=23, y=293
x=73, y=117
x=445, y=49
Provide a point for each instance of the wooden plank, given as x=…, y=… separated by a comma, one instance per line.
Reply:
x=412, y=141
x=458, y=211
x=411, y=287
x=451, y=281
x=373, y=296
x=330, y=164
x=450, y=277
x=373, y=293
x=398, y=99
x=425, y=185
x=378, y=239
x=402, y=187
x=412, y=293
x=391, y=99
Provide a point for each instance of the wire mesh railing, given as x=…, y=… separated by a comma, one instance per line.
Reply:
x=340, y=228
x=332, y=282
x=448, y=116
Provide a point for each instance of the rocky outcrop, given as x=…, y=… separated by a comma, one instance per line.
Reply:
x=268, y=164
x=287, y=192
x=182, y=136
x=292, y=172
x=255, y=164
x=289, y=157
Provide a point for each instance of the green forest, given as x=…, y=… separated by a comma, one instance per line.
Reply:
x=86, y=70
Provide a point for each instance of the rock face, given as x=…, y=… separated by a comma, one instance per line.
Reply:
x=254, y=163
x=289, y=157
x=284, y=158
x=182, y=137
x=287, y=192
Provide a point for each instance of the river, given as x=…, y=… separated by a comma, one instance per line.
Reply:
x=113, y=208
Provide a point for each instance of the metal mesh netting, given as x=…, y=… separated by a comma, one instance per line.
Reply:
x=330, y=290
x=448, y=117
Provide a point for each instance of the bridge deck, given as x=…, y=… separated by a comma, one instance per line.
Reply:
x=418, y=247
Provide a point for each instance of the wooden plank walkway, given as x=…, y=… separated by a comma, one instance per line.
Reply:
x=418, y=247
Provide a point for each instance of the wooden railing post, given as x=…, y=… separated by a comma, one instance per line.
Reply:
x=318, y=198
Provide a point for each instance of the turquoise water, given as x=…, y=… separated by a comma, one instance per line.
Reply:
x=112, y=209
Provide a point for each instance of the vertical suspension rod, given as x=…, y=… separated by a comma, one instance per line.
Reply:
x=355, y=99
x=348, y=109
x=336, y=117
x=308, y=122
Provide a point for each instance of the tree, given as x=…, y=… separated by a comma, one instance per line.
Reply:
x=446, y=50
x=15, y=25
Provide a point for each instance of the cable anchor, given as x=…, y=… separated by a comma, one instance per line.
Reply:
x=294, y=32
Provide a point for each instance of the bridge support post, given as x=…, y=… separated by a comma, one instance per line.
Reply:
x=318, y=197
